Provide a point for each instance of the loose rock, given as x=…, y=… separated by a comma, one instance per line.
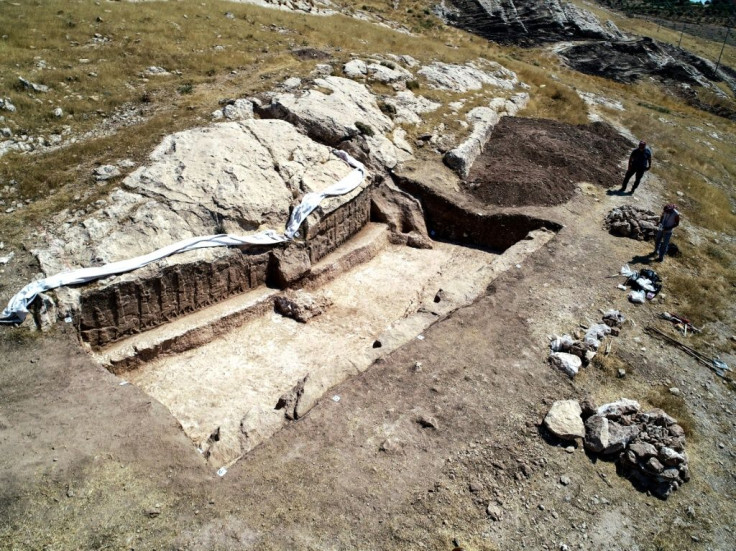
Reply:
x=566, y=362
x=564, y=421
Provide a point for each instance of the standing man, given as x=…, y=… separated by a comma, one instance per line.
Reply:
x=640, y=161
x=669, y=220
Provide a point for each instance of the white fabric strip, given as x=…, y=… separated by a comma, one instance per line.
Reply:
x=17, y=308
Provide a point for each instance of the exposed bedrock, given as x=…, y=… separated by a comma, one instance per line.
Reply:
x=328, y=117
x=526, y=22
x=630, y=60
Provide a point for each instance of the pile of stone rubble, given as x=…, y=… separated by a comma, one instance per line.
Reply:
x=569, y=354
x=633, y=222
x=648, y=447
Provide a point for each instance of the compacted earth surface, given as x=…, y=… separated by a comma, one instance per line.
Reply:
x=437, y=445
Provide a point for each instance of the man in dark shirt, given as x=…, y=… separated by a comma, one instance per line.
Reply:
x=668, y=221
x=640, y=161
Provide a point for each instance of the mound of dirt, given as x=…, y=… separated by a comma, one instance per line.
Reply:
x=538, y=162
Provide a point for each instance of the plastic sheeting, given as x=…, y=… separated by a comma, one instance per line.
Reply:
x=17, y=308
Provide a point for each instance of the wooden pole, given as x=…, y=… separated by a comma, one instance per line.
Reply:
x=718, y=64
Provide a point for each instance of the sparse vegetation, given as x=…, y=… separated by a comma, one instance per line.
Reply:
x=364, y=129
x=675, y=406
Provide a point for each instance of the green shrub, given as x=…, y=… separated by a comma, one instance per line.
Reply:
x=364, y=129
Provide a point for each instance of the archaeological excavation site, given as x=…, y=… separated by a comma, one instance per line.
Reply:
x=238, y=341
x=308, y=275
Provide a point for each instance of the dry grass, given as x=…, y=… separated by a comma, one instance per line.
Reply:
x=675, y=406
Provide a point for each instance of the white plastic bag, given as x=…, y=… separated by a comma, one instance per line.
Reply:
x=626, y=271
x=645, y=284
x=637, y=297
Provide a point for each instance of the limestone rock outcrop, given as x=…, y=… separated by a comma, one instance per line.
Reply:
x=527, y=22
x=630, y=60
x=329, y=118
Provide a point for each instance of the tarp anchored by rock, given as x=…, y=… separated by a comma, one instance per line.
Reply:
x=17, y=308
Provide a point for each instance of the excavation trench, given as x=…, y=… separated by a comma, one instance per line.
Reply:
x=206, y=342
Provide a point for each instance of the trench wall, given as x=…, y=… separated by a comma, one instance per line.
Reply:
x=451, y=220
x=118, y=310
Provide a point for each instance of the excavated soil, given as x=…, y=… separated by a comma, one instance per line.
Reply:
x=538, y=162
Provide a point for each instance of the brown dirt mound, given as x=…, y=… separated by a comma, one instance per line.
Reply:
x=539, y=162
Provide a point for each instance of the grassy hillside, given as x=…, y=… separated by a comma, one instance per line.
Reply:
x=94, y=58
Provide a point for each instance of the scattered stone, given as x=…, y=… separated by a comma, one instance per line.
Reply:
x=494, y=512
x=475, y=487
x=643, y=450
x=564, y=420
x=106, y=172
x=388, y=75
x=126, y=163
x=157, y=71
x=621, y=407
x=588, y=407
x=153, y=513
x=28, y=85
x=58, y=112
x=355, y=68
x=409, y=107
x=5, y=259
x=301, y=306
x=613, y=318
x=566, y=362
x=596, y=434
x=621, y=373
x=648, y=446
x=619, y=437
x=675, y=391
x=7, y=105
x=322, y=70
x=390, y=445
x=565, y=480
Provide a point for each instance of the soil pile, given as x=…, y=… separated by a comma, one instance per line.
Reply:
x=539, y=162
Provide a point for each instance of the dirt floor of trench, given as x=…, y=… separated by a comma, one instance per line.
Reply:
x=411, y=456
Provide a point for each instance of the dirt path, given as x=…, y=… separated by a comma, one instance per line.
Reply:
x=90, y=464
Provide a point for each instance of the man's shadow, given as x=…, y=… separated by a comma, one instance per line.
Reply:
x=618, y=192
x=642, y=259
